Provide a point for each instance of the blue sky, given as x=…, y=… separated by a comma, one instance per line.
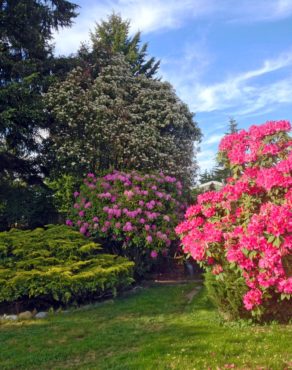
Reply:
x=225, y=58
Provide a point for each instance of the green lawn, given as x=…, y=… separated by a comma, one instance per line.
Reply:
x=155, y=328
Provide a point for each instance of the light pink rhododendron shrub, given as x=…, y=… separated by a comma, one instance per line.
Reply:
x=134, y=213
x=246, y=226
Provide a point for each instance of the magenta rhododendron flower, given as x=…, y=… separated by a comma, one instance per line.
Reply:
x=83, y=230
x=130, y=209
x=149, y=238
x=246, y=226
x=128, y=226
x=252, y=298
x=154, y=254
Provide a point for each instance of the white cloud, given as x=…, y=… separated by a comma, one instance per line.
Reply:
x=206, y=164
x=146, y=16
x=240, y=90
x=154, y=15
x=206, y=159
x=213, y=139
x=191, y=66
x=68, y=40
x=264, y=10
x=239, y=95
x=206, y=154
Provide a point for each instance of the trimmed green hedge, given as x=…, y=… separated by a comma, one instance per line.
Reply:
x=58, y=264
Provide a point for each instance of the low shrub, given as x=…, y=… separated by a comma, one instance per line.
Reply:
x=227, y=295
x=57, y=264
x=244, y=230
x=133, y=213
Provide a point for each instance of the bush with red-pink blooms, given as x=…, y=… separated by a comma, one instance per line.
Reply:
x=133, y=213
x=245, y=228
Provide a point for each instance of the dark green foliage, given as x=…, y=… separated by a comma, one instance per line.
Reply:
x=207, y=176
x=25, y=206
x=217, y=173
x=57, y=264
x=232, y=126
x=27, y=67
x=227, y=296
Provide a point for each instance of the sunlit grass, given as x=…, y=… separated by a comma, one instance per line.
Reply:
x=155, y=328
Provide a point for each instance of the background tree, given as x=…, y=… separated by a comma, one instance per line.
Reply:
x=232, y=126
x=120, y=121
x=111, y=37
x=220, y=172
x=207, y=176
x=27, y=68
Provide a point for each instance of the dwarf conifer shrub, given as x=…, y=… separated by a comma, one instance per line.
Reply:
x=57, y=264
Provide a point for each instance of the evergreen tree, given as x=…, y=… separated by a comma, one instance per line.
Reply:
x=26, y=69
x=232, y=127
x=120, y=121
x=111, y=37
x=206, y=176
x=220, y=172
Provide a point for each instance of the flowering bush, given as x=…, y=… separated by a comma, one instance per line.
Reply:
x=245, y=228
x=135, y=213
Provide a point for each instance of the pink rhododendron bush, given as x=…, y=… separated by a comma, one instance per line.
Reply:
x=242, y=233
x=133, y=214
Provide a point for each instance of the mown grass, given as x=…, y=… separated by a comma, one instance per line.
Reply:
x=155, y=328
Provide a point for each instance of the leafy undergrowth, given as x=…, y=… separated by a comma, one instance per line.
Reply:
x=155, y=328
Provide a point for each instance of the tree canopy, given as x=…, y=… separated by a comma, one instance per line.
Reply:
x=120, y=121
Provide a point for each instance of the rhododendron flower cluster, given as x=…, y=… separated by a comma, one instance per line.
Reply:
x=247, y=225
x=132, y=209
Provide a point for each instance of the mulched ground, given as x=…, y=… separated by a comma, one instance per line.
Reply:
x=178, y=274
